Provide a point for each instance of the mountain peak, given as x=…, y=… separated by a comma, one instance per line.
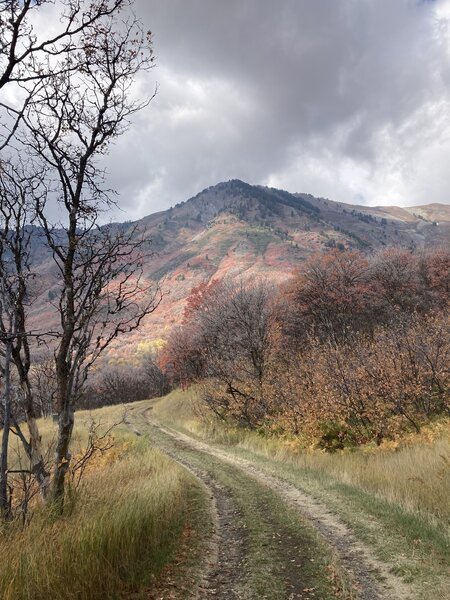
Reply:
x=252, y=203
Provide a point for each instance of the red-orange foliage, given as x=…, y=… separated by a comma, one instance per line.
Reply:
x=339, y=292
x=181, y=360
x=367, y=389
x=352, y=350
x=435, y=270
x=395, y=274
x=332, y=290
x=200, y=298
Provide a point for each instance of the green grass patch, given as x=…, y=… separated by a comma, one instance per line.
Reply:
x=171, y=265
x=260, y=239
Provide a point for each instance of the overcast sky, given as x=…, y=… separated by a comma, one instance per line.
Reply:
x=347, y=99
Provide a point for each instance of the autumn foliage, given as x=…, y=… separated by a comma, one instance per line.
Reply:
x=352, y=350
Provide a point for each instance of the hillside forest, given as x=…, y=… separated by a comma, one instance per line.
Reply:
x=351, y=350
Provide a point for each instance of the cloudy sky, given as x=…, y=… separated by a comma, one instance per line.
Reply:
x=347, y=99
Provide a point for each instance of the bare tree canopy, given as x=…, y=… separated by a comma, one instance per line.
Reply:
x=75, y=95
x=29, y=54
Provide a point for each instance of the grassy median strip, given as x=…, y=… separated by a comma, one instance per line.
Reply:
x=284, y=554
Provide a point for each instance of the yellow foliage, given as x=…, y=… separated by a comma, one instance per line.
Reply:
x=149, y=346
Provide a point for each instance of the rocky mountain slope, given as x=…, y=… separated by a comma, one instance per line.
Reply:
x=234, y=228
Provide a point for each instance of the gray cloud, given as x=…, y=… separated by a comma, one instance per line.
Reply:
x=348, y=99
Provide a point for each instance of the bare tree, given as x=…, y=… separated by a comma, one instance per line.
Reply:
x=78, y=99
x=156, y=381
x=72, y=121
x=43, y=380
x=6, y=374
x=29, y=55
x=230, y=329
x=18, y=184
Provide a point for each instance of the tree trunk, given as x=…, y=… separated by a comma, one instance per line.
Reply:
x=4, y=496
x=33, y=448
x=35, y=454
x=62, y=454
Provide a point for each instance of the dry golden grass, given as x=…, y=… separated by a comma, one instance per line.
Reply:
x=413, y=473
x=414, y=476
x=116, y=533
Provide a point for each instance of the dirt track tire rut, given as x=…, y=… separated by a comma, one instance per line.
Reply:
x=224, y=569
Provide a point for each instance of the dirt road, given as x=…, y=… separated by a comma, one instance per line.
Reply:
x=264, y=544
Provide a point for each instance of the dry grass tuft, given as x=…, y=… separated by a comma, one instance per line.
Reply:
x=117, y=532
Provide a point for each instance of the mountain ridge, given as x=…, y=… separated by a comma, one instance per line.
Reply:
x=237, y=229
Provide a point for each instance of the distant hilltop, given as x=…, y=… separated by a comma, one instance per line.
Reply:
x=235, y=228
